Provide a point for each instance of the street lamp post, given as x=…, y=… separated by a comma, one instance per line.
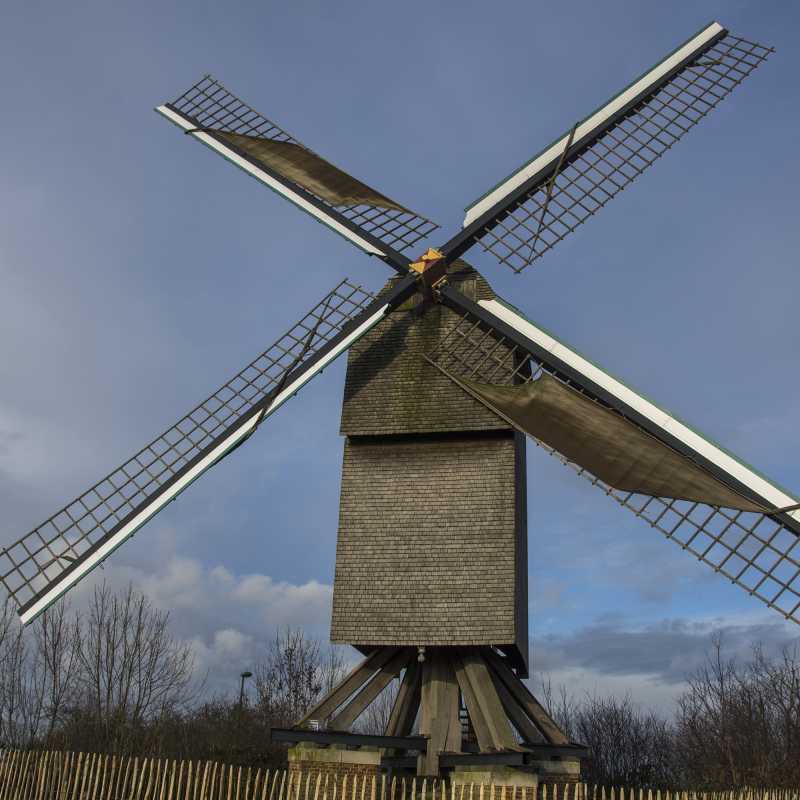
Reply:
x=241, y=687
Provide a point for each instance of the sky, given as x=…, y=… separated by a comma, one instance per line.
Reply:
x=138, y=272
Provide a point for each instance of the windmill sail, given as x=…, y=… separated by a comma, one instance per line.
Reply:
x=310, y=171
x=714, y=505
x=547, y=198
x=45, y=563
x=370, y=220
x=618, y=452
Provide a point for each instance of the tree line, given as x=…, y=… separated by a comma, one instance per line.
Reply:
x=114, y=679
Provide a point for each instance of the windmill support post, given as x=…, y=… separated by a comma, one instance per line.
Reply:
x=477, y=722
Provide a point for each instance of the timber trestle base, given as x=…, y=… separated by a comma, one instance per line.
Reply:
x=456, y=709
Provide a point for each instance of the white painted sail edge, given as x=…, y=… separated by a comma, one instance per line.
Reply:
x=553, y=153
x=268, y=180
x=169, y=494
x=661, y=418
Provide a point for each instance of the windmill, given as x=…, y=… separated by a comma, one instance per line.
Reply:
x=444, y=381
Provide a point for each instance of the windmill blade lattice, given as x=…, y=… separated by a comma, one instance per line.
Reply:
x=39, y=567
x=338, y=199
x=572, y=179
x=757, y=551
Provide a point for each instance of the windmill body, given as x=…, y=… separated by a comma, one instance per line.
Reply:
x=432, y=545
x=443, y=381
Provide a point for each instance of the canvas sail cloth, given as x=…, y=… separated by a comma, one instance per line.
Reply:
x=606, y=444
x=308, y=170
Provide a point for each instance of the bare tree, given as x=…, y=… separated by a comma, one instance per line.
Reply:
x=628, y=745
x=131, y=670
x=294, y=674
x=22, y=684
x=739, y=724
x=55, y=642
x=561, y=705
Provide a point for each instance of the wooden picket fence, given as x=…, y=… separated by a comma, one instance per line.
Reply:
x=48, y=775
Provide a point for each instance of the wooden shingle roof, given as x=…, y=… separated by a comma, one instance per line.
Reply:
x=391, y=389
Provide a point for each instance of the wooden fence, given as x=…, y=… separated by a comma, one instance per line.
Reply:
x=38, y=775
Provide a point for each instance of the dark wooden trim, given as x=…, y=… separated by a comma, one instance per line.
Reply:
x=355, y=739
x=521, y=554
x=571, y=750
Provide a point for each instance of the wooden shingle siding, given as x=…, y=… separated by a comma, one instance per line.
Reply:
x=391, y=389
x=426, y=551
x=432, y=522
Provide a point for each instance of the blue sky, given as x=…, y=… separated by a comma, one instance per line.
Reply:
x=138, y=272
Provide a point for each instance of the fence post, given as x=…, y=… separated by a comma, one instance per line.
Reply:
x=6, y=765
x=63, y=772
x=26, y=771
x=152, y=779
x=39, y=771
x=101, y=787
x=86, y=778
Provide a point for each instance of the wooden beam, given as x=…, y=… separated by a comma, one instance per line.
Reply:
x=519, y=719
x=406, y=704
x=480, y=680
x=479, y=724
x=353, y=710
x=426, y=718
x=522, y=695
x=439, y=711
x=571, y=751
x=351, y=739
x=453, y=697
x=512, y=758
x=348, y=685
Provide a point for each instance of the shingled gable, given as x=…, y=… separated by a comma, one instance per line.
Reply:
x=391, y=389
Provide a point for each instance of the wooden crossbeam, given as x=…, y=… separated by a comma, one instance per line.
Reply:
x=519, y=719
x=351, y=683
x=513, y=758
x=392, y=743
x=479, y=724
x=520, y=693
x=477, y=673
x=382, y=678
x=406, y=704
x=491, y=725
x=499, y=705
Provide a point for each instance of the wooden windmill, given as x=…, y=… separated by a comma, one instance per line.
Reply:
x=444, y=379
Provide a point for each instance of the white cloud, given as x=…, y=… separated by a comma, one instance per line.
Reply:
x=227, y=618
x=644, y=690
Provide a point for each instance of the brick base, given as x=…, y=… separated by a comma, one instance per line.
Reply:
x=334, y=761
x=533, y=783
x=565, y=776
x=519, y=784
